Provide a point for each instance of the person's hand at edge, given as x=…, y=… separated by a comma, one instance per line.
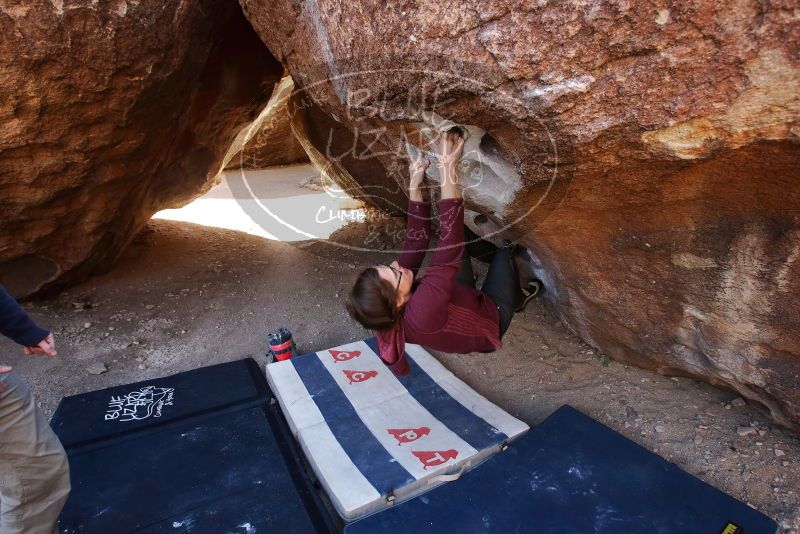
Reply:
x=47, y=347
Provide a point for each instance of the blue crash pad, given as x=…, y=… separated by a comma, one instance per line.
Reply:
x=201, y=451
x=571, y=474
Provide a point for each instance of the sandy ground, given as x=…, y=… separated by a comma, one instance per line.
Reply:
x=186, y=295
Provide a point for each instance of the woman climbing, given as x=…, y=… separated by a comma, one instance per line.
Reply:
x=441, y=310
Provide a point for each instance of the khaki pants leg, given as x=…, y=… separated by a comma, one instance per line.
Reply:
x=34, y=473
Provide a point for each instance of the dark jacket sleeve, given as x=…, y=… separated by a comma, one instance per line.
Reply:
x=15, y=323
x=427, y=309
x=418, y=235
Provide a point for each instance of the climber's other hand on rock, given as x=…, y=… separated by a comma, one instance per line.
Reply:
x=451, y=147
x=452, y=144
x=416, y=169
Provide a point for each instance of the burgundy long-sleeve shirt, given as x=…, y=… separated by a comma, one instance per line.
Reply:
x=441, y=314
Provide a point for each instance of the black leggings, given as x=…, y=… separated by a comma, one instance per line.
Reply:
x=502, y=280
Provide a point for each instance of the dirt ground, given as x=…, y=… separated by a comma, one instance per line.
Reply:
x=186, y=295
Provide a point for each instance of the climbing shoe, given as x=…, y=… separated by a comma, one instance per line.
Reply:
x=531, y=290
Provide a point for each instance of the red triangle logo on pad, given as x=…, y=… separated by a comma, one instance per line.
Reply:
x=359, y=376
x=344, y=355
x=407, y=435
x=434, y=458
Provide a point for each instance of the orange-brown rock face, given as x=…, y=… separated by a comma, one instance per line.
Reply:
x=109, y=112
x=268, y=141
x=649, y=157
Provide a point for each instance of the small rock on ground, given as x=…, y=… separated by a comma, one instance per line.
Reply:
x=97, y=368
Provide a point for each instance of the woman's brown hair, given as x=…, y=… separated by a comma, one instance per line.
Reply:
x=372, y=301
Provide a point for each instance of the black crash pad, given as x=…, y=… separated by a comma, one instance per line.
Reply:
x=571, y=474
x=200, y=451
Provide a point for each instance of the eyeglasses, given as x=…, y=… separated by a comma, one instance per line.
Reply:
x=399, y=276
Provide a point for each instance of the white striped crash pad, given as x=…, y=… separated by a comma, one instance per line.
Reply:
x=374, y=439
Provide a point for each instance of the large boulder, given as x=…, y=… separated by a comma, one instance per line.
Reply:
x=268, y=141
x=110, y=111
x=343, y=159
x=649, y=157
